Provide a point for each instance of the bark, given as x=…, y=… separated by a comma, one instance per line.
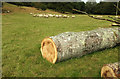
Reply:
x=111, y=70
x=76, y=44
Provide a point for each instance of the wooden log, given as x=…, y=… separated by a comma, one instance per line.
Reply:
x=76, y=44
x=114, y=24
x=114, y=21
x=111, y=70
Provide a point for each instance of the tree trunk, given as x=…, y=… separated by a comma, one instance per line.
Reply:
x=111, y=70
x=76, y=44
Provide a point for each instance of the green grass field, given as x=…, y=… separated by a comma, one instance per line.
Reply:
x=21, y=38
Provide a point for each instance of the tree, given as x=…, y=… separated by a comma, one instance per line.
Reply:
x=39, y=5
x=105, y=8
x=43, y=7
x=90, y=7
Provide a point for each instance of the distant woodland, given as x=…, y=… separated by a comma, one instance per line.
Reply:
x=104, y=8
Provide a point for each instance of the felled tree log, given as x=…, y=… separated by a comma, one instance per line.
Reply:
x=111, y=70
x=114, y=24
x=76, y=44
x=114, y=21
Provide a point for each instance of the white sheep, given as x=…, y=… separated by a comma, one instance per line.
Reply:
x=73, y=16
x=40, y=15
x=99, y=16
x=64, y=16
x=57, y=16
x=50, y=15
x=60, y=16
x=31, y=13
x=68, y=16
x=8, y=11
x=46, y=16
x=117, y=17
x=37, y=15
x=54, y=15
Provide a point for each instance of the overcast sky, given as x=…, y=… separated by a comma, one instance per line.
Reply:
x=101, y=0
x=91, y=0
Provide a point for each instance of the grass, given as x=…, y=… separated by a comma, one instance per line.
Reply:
x=21, y=38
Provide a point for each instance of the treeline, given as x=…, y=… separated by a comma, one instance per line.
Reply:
x=66, y=7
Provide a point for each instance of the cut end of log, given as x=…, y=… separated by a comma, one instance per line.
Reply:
x=107, y=71
x=48, y=50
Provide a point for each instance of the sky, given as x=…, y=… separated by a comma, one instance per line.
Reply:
x=100, y=0
x=91, y=1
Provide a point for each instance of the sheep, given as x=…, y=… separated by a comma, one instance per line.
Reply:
x=99, y=16
x=60, y=16
x=8, y=11
x=40, y=15
x=37, y=15
x=117, y=17
x=46, y=16
x=73, y=16
x=57, y=16
x=34, y=15
x=31, y=13
x=68, y=16
x=54, y=15
x=50, y=15
x=64, y=16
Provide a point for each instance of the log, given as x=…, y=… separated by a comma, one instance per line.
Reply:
x=114, y=21
x=76, y=44
x=114, y=24
x=114, y=18
x=111, y=70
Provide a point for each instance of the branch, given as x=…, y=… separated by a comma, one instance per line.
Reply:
x=96, y=17
x=114, y=18
x=117, y=7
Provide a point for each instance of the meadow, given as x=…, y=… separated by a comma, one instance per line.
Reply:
x=21, y=38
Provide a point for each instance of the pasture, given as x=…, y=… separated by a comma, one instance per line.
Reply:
x=21, y=38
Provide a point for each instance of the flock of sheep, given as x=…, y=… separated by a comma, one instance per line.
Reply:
x=51, y=15
x=60, y=15
x=99, y=16
x=102, y=16
x=117, y=17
